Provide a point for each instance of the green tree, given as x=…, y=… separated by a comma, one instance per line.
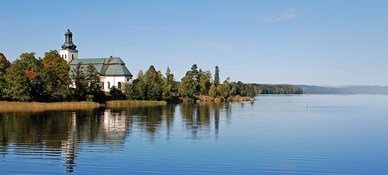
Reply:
x=195, y=79
x=93, y=88
x=154, y=82
x=250, y=90
x=213, y=90
x=21, y=76
x=189, y=86
x=4, y=64
x=18, y=85
x=55, y=77
x=204, y=82
x=116, y=94
x=80, y=83
x=223, y=90
x=217, y=76
x=170, y=89
x=30, y=63
x=137, y=90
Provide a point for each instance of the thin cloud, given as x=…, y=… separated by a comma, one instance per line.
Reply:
x=283, y=16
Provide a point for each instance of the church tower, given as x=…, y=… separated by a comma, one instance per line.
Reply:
x=69, y=51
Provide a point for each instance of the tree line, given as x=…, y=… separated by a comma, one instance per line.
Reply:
x=279, y=89
x=49, y=79
x=195, y=85
x=46, y=79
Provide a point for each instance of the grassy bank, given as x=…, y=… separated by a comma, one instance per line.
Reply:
x=236, y=98
x=129, y=103
x=6, y=106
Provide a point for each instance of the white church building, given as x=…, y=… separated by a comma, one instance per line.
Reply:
x=112, y=70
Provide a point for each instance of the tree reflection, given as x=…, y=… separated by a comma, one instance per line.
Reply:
x=59, y=135
x=198, y=117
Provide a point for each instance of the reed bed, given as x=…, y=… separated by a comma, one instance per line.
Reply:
x=38, y=106
x=130, y=103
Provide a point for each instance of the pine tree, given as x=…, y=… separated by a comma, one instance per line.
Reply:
x=170, y=90
x=154, y=82
x=79, y=79
x=217, y=76
x=92, y=79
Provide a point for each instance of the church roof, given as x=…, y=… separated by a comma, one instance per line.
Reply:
x=112, y=66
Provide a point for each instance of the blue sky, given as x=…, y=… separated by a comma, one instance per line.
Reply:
x=296, y=42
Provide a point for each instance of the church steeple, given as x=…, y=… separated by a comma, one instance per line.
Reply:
x=69, y=41
x=69, y=51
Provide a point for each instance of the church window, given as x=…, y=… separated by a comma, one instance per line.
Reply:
x=119, y=85
x=72, y=56
x=127, y=79
x=65, y=56
x=108, y=85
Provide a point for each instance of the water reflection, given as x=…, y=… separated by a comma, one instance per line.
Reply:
x=58, y=136
x=200, y=117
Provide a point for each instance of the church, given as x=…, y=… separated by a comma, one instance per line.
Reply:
x=112, y=70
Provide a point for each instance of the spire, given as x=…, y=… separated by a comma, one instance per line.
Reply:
x=69, y=41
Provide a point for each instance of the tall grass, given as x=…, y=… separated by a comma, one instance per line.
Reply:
x=129, y=103
x=38, y=106
x=6, y=106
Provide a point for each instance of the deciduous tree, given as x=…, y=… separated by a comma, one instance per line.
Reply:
x=55, y=77
x=18, y=85
x=4, y=64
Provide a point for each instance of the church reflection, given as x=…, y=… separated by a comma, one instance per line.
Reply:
x=59, y=135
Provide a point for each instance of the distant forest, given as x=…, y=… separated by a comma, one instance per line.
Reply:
x=308, y=89
x=279, y=89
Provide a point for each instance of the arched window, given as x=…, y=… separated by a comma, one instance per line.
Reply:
x=119, y=85
x=65, y=56
x=72, y=56
x=108, y=85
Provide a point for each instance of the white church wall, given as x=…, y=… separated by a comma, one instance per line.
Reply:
x=69, y=54
x=110, y=81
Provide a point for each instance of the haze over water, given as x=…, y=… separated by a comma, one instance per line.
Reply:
x=277, y=134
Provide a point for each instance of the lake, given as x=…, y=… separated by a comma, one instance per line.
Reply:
x=276, y=134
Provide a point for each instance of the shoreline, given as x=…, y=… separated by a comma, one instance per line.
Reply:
x=236, y=98
x=10, y=106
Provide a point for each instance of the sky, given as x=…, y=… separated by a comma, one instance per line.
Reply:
x=321, y=42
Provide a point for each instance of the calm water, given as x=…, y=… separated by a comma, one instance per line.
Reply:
x=304, y=134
